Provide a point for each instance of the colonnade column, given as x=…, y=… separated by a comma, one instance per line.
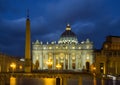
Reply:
x=68, y=61
x=54, y=62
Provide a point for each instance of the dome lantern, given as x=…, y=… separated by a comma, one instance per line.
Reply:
x=68, y=37
x=68, y=27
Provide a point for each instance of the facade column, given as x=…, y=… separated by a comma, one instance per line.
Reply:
x=76, y=62
x=46, y=66
x=71, y=62
x=58, y=59
x=68, y=61
x=64, y=63
x=40, y=61
x=54, y=62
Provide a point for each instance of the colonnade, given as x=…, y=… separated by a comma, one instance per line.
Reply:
x=65, y=61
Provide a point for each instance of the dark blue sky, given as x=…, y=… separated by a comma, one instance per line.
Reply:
x=94, y=19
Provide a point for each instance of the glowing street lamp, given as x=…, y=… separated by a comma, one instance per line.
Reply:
x=20, y=67
x=94, y=70
x=13, y=66
x=58, y=66
x=49, y=63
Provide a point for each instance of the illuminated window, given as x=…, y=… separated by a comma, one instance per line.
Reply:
x=82, y=42
x=106, y=46
x=87, y=46
x=56, y=47
x=73, y=58
x=61, y=57
x=44, y=48
x=20, y=67
x=73, y=47
x=37, y=58
x=79, y=47
x=50, y=47
x=88, y=58
x=66, y=47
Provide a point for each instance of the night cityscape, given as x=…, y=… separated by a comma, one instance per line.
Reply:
x=59, y=42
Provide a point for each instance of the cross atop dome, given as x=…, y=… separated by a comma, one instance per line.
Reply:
x=68, y=27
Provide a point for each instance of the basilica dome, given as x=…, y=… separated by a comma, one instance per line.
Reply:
x=68, y=37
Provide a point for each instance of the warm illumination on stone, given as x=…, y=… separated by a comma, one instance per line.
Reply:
x=20, y=67
x=58, y=66
x=13, y=66
x=13, y=81
x=28, y=46
x=70, y=54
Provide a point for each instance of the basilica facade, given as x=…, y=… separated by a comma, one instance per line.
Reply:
x=66, y=54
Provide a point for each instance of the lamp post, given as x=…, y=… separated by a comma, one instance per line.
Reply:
x=58, y=66
x=94, y=71
x=13, y=66
x=49, y=63
x=12, y=78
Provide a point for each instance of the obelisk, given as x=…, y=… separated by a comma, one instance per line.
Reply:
x=28, y=45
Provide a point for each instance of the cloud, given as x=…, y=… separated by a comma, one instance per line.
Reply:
x=94, y=19
x=103, y=28
x=84, y=27
x=12, y=35
x=73, y=10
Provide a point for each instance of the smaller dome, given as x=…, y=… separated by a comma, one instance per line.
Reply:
x=68, y=36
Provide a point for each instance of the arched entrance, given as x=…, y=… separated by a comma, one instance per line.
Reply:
x=36, y=65
x=87, y=66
